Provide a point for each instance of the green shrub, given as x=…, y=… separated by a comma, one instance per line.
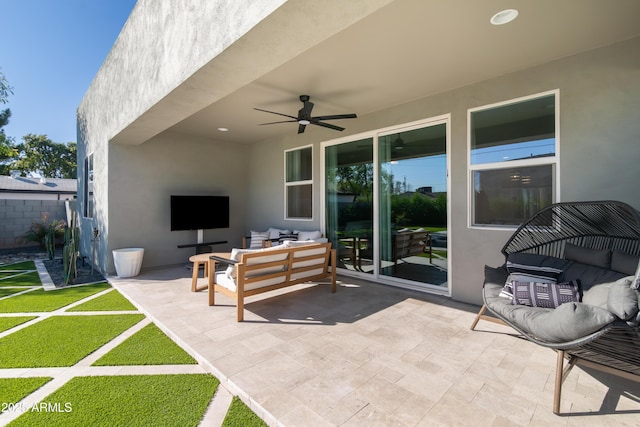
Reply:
x=39, y=230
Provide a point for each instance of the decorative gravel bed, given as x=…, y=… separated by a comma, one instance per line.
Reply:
x=55, y=268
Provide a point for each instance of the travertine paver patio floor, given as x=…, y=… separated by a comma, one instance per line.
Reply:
x=374, y=355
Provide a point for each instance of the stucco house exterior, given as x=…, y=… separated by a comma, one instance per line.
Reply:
x=500, y=119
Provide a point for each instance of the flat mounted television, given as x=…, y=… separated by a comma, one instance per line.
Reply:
x=199, y=212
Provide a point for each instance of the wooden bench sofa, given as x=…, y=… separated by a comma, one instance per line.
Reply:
x=411, y=242
x=403, y=244
x=252, y=272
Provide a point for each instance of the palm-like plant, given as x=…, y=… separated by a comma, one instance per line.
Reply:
x=39, y=230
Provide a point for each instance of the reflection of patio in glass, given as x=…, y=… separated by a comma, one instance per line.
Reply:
x=385, y=215
x=416, y=256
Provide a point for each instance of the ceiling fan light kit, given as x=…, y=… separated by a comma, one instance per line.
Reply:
x=304, y=117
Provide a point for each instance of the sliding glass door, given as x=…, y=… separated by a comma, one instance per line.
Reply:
x=386, y=204
x=413, y=204
x=349, y=199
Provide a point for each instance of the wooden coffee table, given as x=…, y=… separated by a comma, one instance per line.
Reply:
x=203, y=259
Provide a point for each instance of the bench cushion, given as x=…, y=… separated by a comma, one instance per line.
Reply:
x=236, y=255
x=223, y=280
x=257, y=237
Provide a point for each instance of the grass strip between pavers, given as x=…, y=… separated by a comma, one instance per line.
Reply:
x=10, y=322
x=62, y=340
x=112, y=301
x=16, y=279
x=43, y=301
x=23, y=265
x=8, y=291
x=148, y=346
x=13, y=390
x=136, y=400
x=239, y=415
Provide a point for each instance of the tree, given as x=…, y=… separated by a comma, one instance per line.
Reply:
x=39, y=155
x=5, y=89
x=356, y=179
x=7, y=151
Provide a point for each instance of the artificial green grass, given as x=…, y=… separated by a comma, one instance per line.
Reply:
x=13, y=390
x=17, y=279
x=8, y=291
x=239, y=415
x=61, y=340
x=10, y=322
x=137, y=400
x=24, y=265
x=26, y=279
x=42, y=301
x=112, y=301
x=149, y=346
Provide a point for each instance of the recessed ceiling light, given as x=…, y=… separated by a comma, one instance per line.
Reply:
x=504, y=17
x=223, y=129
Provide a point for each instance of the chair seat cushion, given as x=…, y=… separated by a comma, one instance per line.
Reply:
x=568, y=322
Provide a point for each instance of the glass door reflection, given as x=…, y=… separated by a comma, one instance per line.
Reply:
x=349, y=202
x=413, y=205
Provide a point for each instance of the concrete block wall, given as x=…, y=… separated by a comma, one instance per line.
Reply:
x=16, y=216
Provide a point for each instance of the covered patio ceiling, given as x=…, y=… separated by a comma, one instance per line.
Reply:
x=395, y=52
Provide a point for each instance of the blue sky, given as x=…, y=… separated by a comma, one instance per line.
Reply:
x=50, y=52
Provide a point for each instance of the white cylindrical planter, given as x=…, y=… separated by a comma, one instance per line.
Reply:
x=128, y=261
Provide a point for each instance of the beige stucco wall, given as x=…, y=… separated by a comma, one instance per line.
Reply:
x=599, y=151
x=142, y=179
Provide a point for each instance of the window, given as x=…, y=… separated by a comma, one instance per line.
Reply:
x=299, y=183
x=513, y=159
x=88, y=186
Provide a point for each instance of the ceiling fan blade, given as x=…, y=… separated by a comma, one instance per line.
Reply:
x=304, y=117
x=273, y=112
x=282, y=121
x=327, y=125
x=336, y=117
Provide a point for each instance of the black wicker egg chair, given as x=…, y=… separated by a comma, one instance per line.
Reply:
x=600, y=227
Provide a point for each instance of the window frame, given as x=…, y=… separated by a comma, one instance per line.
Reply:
x=88, y=210
x=553, y=161
x=298, y=183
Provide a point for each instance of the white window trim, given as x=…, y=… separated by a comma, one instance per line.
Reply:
x=553, y=161
x=297, y=183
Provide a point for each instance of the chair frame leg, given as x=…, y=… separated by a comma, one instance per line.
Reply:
x=559, y=380
x=483, y=316
x=478, y=317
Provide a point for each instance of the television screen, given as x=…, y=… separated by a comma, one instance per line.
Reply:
x=199, y=212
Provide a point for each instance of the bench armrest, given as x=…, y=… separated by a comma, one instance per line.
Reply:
x=223, y=260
